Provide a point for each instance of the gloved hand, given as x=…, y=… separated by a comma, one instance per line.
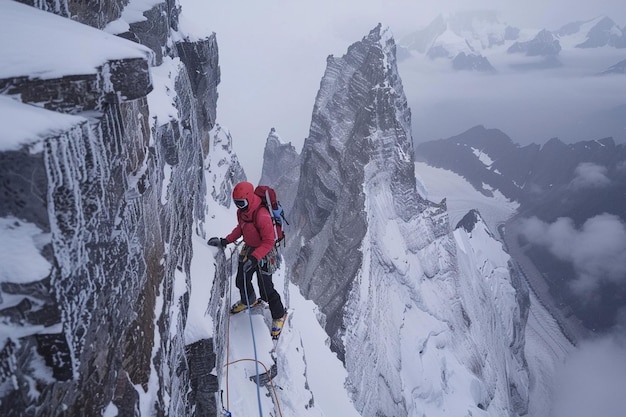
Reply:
x=250, y=264
x=220, y=242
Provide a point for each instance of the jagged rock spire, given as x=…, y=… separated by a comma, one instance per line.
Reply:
x=360, y=132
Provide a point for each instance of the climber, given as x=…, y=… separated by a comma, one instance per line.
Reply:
x=254, y=223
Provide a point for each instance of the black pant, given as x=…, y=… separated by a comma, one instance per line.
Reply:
x=266, y=286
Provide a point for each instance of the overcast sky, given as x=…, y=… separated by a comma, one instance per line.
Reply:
x=273, y=55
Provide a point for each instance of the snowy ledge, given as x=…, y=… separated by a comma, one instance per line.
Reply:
x=44, y=46
x=24, y=124
x=62, y=65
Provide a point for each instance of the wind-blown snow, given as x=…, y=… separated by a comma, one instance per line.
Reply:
x=219, y=221
x=43, y=50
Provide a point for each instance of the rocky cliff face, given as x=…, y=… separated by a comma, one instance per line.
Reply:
x=381, y=264
x=354, y=123
x=281, y=170
x=119, y=194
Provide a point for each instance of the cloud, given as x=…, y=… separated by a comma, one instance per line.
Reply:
x=590, y=175
x=593, y=379
x=272, y=56
x=596, y=250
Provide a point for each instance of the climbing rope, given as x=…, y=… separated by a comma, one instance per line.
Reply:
x=255, y=360
x=269, y=377
x=228, y=324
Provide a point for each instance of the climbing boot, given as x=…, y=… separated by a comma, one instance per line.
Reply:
x=277, y=326
x=240, y=306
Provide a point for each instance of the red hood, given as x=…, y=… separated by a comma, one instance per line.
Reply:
x=253, y=204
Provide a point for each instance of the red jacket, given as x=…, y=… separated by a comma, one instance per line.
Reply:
x=256, y=227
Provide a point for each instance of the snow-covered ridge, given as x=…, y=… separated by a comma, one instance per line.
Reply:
x=382, y=264
x=498, y=320
x=545, y=345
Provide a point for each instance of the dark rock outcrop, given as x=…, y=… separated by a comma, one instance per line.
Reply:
x=129, y=78
x=468, y=222
x=108, y=321
x=472, y=62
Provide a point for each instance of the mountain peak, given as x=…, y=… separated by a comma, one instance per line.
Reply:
x=603, y=32
x=554, y=143
x=543, y=44
x=273, y=138
x=381, y=34
x=492, y=140
x=279, y=159
x=360, y=128
x=469, y=221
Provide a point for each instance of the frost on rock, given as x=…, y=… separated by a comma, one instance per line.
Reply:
x=281, y=170
x=224, y=166
x=118, y=196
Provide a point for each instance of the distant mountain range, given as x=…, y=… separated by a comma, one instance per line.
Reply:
x=529, y=174
x=577, y=181
x=469, y=39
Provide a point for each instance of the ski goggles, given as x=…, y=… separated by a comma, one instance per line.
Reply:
x=241, y=203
